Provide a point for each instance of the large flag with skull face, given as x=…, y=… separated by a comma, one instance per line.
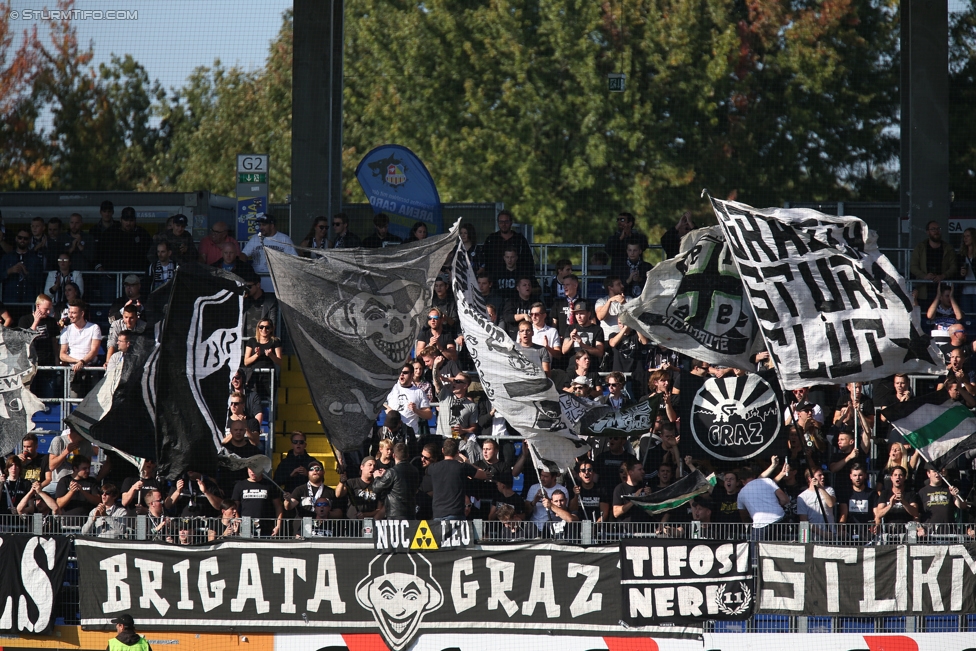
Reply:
x=354, y=316
x=831, y=308
x=519, y=391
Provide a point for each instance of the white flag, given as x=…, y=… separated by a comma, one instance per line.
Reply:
x=830, y=306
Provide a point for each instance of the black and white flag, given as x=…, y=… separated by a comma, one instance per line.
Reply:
x=694, y=304
x=199, y=352
x=518, y=389
x=354, y=316
x=18, y=364
x=31, y=576
x=830, y=306
x=115, y=415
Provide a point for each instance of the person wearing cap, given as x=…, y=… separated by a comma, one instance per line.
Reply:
x=302, y=498
x=131, y=295
x=179, y=239
x=259, y=305
x=457, y=414
x=127, y=637
x=585, y=335
x=268, y=235
x=381, y=233
x=123, y=247
x=293, y=470
x=342, y=237
x=800, y=395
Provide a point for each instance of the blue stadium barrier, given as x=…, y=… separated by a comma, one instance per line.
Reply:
x=730, y=627
x=820, y=624
x=855, y=625
x=892, y=625
x=940, y=623
x=971, y=622
x=771, y=623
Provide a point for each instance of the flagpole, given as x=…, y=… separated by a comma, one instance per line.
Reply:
x=572, y=478
x=538, y=466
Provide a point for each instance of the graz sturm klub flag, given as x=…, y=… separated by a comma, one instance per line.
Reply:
x=831, y=308
x=936, y=425
x=731, y=420
x=677, y=494
x=199, y=352
x=632, y=421
x=354, y=316
x=518, y=389
x=694, y=304
x=18, y=364
x=115, y=415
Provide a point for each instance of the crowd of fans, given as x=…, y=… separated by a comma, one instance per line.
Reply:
x=440, y=450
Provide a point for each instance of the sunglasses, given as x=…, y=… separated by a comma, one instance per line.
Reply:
x=613, y=384
x=337, y=223
x=238, y=403
x=64, y=260
x=212, y=230
x=433, y=318
x=586, y=471
x=321, y=504
x=423, y=458
x=536, y=313
x=264, y=327
x=460, y=381
x=315, y=469
x=107, y=493
x=402, y=373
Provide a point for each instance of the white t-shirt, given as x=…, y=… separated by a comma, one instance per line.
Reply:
x=539, y=513
x=254, y=249
x=401, y=396
x=758, y=498
x=547, y=337
x=808, y=505
x=610, y=324
x=79, y=340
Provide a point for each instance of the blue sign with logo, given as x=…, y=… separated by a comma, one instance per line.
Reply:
x=247, y=211
x=398, y=184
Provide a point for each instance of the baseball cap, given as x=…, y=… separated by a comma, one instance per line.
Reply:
x=132, y=279
x=125, y=620
x=581, y=306
x=804, y=406
x=582, y=381
x=265, y=218
x=179, y=219
x=315, y=464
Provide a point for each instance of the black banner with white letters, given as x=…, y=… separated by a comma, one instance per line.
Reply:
x=31, y=574
x=350, y=587
x=867, y=581
x=685, y=581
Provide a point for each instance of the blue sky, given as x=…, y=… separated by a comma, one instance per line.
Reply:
x=172, y=37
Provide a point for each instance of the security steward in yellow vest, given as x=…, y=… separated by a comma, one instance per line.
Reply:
x=127, y=638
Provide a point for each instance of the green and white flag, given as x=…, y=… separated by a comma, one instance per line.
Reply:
x=936, y=425
x=677, y=494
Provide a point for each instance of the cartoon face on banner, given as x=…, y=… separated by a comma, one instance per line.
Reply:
x=735, y=418
x=400, y=589
x=383, y=321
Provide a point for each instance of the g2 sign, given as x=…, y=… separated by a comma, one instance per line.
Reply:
x=252, y=163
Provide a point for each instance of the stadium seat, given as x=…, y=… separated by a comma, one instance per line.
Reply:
x=730, y=627
x=820, y=624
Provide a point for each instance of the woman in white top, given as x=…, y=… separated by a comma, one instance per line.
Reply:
x=54, y=287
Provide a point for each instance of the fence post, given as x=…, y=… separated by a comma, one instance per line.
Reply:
x=367, y=528
x=477, y=529
x=306, y=528
x=246, y=531
x=586, y=532
x=141, y=527
x=37, y=524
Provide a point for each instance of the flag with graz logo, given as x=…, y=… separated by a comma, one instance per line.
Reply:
x=937, y=426
x=694, y=304
x=831, y=308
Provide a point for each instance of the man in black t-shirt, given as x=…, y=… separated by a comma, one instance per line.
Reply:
x=939, y=502
x=46, y=344
x=584, y=334
x=842, y=460
x=34, y=466
x=196, y=495
x=303, y=498
x=589, y=499
x=14, y=486
x=134, y=489
x=725, y=499
x=485, y=491
x=623, y=509
x=77, y=494
x=856, y=505
x=607, y=463
x=363, y=502
x=240, y=446
x=897, y=505
x=258, y=499
x=445, y=482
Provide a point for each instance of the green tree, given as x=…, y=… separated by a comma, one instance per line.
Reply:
x=221, y=112
x=962, y=96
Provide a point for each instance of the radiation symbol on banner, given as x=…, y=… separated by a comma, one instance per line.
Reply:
x=424, y=538
x=736, y=417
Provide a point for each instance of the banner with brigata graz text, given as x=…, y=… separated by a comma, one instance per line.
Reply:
x=867, y=581
x=251, y=585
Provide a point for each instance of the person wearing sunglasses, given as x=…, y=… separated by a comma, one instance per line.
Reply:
x=23, y=271
x=108, y=519
x=302, y=501
x=589, y=498
x=317, y=237
x=263, y=351
x=342, y=237
x=295, y=469
x=436, y=332
x=457, y=414
x=407, y=399
x=259, y=305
